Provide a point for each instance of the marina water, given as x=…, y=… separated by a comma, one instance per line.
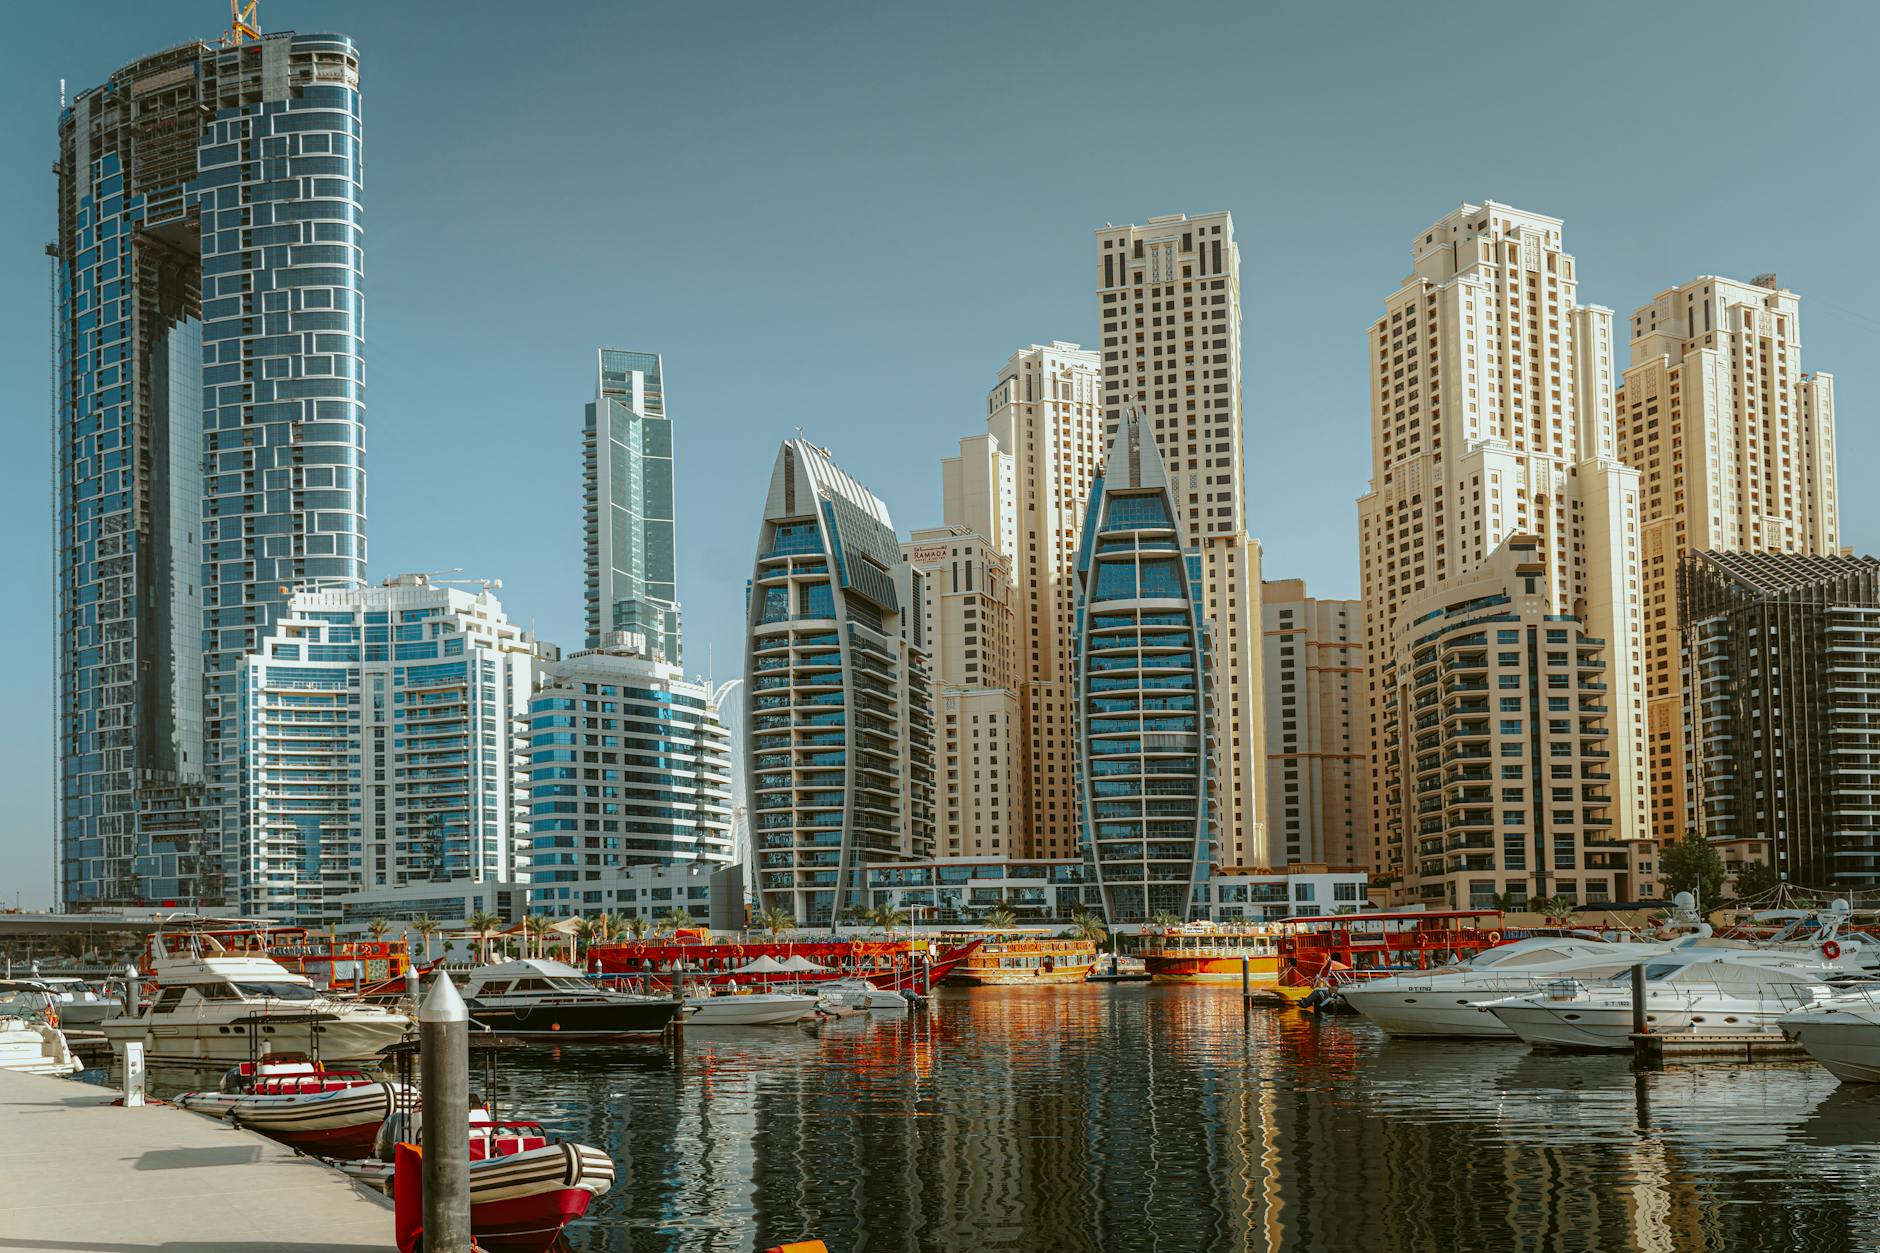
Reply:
x=1150, y=1118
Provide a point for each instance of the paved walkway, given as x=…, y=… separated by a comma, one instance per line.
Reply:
x=80, y=1175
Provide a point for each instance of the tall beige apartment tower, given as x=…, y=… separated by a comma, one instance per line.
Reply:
x=1045, y=415
x=1168, y=294
x=1492, y=416
x=1318, y=791
x=1734, y=446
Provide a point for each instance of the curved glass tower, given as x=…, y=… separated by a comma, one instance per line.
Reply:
x=210, y=432
x=840, y=740
x=1143, y=728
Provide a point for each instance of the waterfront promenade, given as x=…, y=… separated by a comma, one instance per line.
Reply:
x=85, y=1176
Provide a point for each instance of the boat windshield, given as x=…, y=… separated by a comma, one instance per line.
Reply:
x=569, y=985
x=279, y=991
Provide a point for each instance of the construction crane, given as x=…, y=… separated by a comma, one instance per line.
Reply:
x=243, y=23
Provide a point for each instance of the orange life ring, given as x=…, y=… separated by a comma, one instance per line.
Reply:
x=1830, y=949
x=1494, y=937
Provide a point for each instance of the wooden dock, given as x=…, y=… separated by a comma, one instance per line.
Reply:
x=1656, y=1050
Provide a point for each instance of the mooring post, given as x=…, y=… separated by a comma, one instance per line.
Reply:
x=133, y=1073
x=1246, y=983
x=411, y=985
x=1639, y=1025
x=444, y=1054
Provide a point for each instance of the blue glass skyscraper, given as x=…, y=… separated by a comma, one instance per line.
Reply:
x=210, y=431
x=1143, y=726
x=627, y=481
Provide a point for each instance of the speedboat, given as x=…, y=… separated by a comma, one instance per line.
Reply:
x=217, y=1003
x=861, y=994
x=302, y=1104
x=524, y=1187
x=30, y=1040
x=1843, y=1034
x=1449, y=1001
x=1689, y=991
x=536, y=999
x=750, y=1009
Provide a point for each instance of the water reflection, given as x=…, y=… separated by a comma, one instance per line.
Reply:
x=1146, y=1118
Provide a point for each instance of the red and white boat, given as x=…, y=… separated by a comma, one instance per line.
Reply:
x=896, y=965
x=524, y=1187
x=297, y=1101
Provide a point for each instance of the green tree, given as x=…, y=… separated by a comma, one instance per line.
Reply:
x=482, y=925
x=636, y=928
x=1001, y=919
x=1166, y=919
x=674, y=918
x=378, y=927
x=1503, y=901
x=1088, y=926
x=1692, y=864
x=534, y=927
x=1558, y=910
x=890, y=918
x=426, y=927
x=776, y=920
x=1755, y=880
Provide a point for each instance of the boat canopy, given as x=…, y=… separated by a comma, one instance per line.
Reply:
x=768, y=965
x=798, y=962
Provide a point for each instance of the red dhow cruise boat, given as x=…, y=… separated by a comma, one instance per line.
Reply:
x=900, y=965
x=1321, y=952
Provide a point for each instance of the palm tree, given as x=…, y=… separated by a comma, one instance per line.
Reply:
x=776, y=920
x=674, y=918
x=889, y=918
x=1503, y=902
x=1088, y=926
x=482, y=923
x=1558, y=910
x=603, y=928
x=1166, y=919
x=1001, y=919
x=426, y=927
x=636, y=928
x=585, y=934
x=378, y=927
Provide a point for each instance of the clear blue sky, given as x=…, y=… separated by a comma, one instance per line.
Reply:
x=848, y=216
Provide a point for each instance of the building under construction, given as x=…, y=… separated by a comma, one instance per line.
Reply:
x=1781, y=659
x=208, y=433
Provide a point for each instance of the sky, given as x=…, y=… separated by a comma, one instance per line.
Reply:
x=846, y=217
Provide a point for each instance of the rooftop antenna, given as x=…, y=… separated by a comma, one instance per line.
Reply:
x=243, y=23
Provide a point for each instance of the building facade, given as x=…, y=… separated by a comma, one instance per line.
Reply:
x=380, y=748
x=1318, y=789
x=629, y=765
x=839, y=720
x=628, y=506
x=210, y=435
x=1734, y=446
x=1168, y=297
x=1144, y=726
x=966, y=601
x=1781, y=661
x=1046, y=415
x=1492, y=417
x=1503, y=709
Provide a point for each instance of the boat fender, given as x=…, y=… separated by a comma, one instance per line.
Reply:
x=1830, y=949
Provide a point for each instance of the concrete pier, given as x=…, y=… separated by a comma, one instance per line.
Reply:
x=85, y=1176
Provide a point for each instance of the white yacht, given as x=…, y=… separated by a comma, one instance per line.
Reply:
x=1692, y=990
x=212, y=998
x=29, y=1041
x=861, y=994
x=1449, y=1001
x=1843, y=1034
x=749, y=1009
x=83, y=1003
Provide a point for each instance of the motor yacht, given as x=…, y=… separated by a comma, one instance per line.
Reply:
x=1688, y=991
x=83, y=1004
x=1843, y=1034
x=216, y=1002
x=1449, y=1001
x=30, y=1040
x=536, y=999
x=861, y=994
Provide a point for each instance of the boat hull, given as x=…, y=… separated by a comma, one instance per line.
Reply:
x=341, y=1124
x=339, y=1041
x=1262, y=968
x=575, y=1022
x=36, y=1049
x=750, y=1011
x=1577, y=1025
x=1849, y=1050
x=1427, y=1015
x=988, y=977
